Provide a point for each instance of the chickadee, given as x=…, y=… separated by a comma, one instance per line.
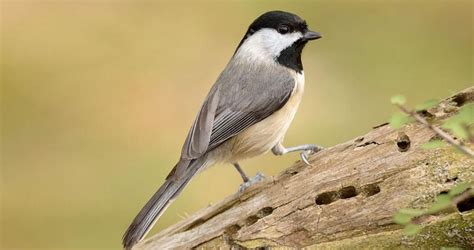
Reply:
x=246, y=113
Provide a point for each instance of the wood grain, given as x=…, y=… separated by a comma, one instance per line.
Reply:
x=346, y=199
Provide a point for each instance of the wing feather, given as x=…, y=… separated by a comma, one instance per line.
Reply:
x=241, y=97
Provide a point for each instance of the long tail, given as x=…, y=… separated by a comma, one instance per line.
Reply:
x=158, y=203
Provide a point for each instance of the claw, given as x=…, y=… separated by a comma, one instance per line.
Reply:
x=313, y=150
x=304, y=158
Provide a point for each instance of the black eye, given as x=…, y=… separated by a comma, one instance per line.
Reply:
x=283, y=29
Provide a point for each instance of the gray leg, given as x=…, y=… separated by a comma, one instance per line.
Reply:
x=245, y=178
x=306, y=149
x=247, y=182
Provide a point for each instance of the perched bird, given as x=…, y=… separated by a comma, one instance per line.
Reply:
x=245, y=114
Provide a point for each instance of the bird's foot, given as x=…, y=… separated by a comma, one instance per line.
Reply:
x=259, y=177
x=309, y=149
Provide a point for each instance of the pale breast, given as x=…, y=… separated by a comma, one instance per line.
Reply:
x=262, y=136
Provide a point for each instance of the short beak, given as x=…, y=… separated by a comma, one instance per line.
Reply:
x=311, y=35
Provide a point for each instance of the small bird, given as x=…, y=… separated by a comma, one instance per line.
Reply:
x=245, y=114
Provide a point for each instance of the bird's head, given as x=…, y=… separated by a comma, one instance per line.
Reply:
x=274, y=36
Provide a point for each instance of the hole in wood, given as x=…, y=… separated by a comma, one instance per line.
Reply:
x=403, y=146
x=359, y=139
x=371, y=189
x=466, y=205
x=455, y=178
x=460, y=99
x=264, y=212
x=347, y=192
x=425, y=113
x=294, y=172
x=251, y=220
x=233, y=229
x=403, y=142
x=326, y=198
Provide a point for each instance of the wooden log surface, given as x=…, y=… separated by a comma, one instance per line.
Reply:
x=345, y=199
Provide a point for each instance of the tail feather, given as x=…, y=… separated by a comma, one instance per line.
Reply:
x=158, y=203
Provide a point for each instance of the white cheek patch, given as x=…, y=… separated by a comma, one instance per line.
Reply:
x=267, y=44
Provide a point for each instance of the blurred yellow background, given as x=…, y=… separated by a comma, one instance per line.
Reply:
x=98, y=96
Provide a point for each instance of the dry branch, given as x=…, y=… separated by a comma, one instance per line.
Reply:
x=346, y=199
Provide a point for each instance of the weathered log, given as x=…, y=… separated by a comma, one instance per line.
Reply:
x=346, y=199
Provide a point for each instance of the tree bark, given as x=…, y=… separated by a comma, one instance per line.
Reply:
x=346, y=199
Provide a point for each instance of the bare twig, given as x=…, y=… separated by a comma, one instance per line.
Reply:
x=448, y=138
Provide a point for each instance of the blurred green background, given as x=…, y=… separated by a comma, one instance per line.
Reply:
x=98, y=96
